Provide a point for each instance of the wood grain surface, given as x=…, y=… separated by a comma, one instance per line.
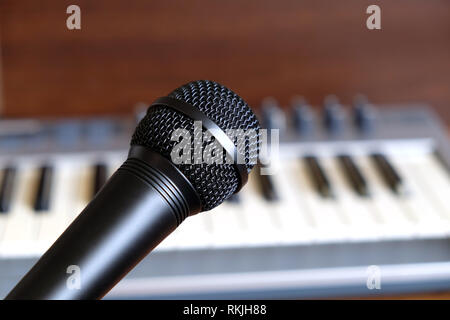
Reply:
x=132, y=51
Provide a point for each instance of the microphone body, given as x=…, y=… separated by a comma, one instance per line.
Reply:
x=140, y=205
x=149, y=195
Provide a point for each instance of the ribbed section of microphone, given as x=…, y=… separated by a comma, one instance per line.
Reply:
x=150, y=194
x=158, y=181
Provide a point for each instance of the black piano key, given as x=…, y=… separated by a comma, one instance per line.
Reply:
x=354, y=175
x=100, y=172
x=388, y=172
x=318, y=176
x=44, y=190
x=234, y=199
x=7, y=187
x=267, y=188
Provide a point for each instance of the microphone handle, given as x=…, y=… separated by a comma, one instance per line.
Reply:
x=139, y=206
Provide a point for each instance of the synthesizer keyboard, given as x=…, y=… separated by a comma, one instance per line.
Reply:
x=353, y=188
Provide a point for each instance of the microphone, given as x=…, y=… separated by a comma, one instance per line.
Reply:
x=150, y=195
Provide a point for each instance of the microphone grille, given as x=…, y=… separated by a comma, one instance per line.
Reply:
x=214, y=183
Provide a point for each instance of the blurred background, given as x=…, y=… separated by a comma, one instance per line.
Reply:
x=134, y=51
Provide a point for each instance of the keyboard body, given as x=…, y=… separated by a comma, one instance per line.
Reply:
x=301, y=245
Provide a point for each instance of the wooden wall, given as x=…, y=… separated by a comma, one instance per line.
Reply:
x=131, y=51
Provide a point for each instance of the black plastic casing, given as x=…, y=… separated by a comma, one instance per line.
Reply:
x=140, y=205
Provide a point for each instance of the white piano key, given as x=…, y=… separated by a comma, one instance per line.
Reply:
x=227, y=226
x=296, y=222
x=363, y=222
x=82, y=188
x=83, y=180
x=170, y=242
x=54, y=221
x=396, y=223
x=260, y=222
x=435, y=179
x=431, y=222
x=21, y=228
x=192, y=233
x=330, y=225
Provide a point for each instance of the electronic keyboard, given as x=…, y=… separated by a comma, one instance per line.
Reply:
x=353, y=187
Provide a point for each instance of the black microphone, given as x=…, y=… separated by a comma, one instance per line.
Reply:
x=150, y=194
